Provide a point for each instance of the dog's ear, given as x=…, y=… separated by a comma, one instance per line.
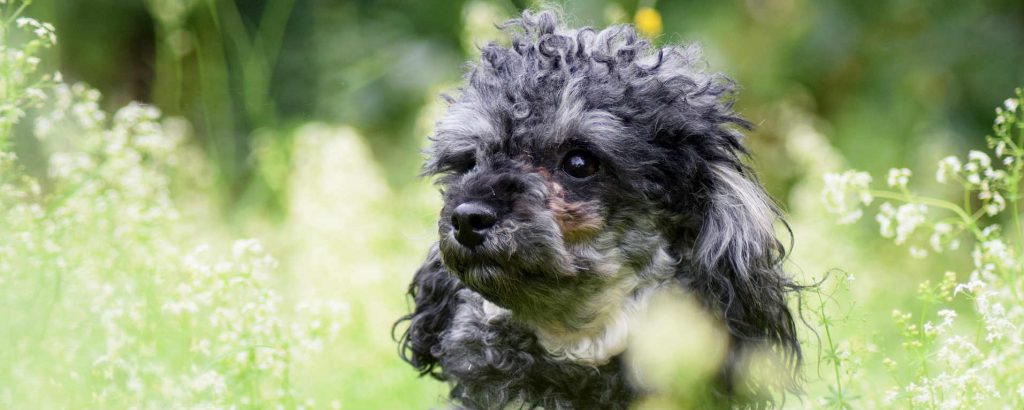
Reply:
x=740, y=259
x=434, y=292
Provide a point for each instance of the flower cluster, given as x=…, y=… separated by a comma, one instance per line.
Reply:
x=900, y=222
x=21, y=86
x=965, y=373
x=845, y=193
x=898, y=178
x=977, y=361
x=101, y=300
x=239, y=331
x=990, y=182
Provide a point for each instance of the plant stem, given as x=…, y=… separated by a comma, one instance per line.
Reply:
x=1014, y=188
x=968, y=220
x=924, y=354
x=16, y=13
x=840, y=400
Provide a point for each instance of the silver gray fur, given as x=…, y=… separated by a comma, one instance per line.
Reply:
x=536, y=315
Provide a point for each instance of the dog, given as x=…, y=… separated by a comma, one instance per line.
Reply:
x=581, y=170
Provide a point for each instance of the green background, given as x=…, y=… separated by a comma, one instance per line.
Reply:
x=874, y=84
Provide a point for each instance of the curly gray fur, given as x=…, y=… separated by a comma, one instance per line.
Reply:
x=533, y=317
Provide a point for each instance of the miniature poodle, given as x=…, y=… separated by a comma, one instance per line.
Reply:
x=582, y=171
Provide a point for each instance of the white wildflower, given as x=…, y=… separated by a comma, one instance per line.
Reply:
x=69, y=165
x=929, y=328
x=244, y=247
x=948, y=166
x=890, y=396
x=995, y=176
x=997, y=251
x=981, y=158
x=209, y=381
x=919, y=395
x=1011, y=104
x=995, y=205
x=994, y=315
x=918, y=253
x=940, y=234
x=35, y=93
x=898, y=178
x=44, y=31
x=973, y=177
x=845, y=193
x=947, y=316
x=1000, y=148
x=990, y=230
x=972, y=286
x=978, y=168
x=901, y=222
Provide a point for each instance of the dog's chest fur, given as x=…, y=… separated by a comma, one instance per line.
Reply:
x=495, y=362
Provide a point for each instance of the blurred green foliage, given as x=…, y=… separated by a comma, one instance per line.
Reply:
x=829, y=84
x=886, y=79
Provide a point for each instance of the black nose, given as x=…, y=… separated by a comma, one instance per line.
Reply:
x=471, y=220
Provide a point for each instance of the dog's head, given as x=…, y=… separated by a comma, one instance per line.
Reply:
x=576, y=161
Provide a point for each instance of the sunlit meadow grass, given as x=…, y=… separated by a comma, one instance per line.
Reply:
x=105, y=300
x=118, y=289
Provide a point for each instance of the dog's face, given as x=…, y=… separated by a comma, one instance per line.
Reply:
x=581, y=169
x=565, y=174
x=575, y=161
x=537, y=205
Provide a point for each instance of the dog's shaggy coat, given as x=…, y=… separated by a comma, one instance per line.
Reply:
x=538, y=313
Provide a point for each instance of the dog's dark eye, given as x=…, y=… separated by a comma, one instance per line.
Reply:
x=580, y=164
x=460, y=165
x=466, y=165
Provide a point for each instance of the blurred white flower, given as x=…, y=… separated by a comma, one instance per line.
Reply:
x=1000, y=149
x=995, y=205
x=941, y=234
x=980, y=157
x=1011, y=104
x=971, y=287
x=898, y=178
x=918, y=253
x=44, y=31
x=947, y=316
x=900, y=222
x=890, y=396
x=948, y=166
x=845, y=193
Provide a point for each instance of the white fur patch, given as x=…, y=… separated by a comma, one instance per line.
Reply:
x=741, y=220
x=493, y=312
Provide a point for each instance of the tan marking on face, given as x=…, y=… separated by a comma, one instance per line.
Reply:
x=578, y=221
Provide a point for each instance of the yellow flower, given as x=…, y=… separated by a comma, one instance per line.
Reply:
x=648, y=21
